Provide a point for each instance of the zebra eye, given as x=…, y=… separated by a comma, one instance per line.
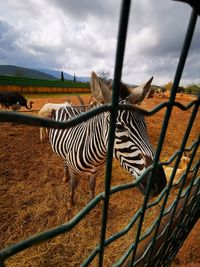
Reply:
x=120, y=128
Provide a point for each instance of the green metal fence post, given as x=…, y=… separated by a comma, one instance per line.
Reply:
x=177, y=78
x=183, y=57
x=123, y=25
x=185, y=138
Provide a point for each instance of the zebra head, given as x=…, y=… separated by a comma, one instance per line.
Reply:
x=132, y=146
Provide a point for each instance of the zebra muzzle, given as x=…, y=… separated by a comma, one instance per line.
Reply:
x=157, y=185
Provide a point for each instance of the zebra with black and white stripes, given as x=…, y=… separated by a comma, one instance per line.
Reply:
x=84, y=146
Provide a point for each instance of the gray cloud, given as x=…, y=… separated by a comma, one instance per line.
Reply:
x=83, y=9
x=8, y=35
x=80, y=36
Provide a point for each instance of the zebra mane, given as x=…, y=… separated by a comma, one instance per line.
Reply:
x=123, y=90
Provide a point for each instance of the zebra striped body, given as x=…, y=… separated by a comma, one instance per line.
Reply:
x=84, y=146
x=78, y=145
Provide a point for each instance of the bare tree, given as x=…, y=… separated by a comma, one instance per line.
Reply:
x=104, y=76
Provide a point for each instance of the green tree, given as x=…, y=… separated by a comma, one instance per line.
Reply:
x=62, y=76
x=193, y=88
x=168, y=86
x=74, y=78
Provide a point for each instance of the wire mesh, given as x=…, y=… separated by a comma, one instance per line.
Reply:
x=162, y=240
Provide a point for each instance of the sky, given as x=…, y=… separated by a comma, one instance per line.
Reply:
x=80, y=36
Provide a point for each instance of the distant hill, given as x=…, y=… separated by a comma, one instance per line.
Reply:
x=67, y=76
x=46, y=74
x=10, y=70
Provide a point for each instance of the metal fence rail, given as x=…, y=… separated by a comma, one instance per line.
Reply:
x=161, y=242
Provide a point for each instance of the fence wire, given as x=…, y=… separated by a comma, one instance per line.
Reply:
x=162, y=240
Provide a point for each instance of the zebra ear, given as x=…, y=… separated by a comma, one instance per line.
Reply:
x=139, y=93
x=100, y=91
x=147, y=85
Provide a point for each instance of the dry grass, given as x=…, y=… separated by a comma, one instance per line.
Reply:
x=33, y=197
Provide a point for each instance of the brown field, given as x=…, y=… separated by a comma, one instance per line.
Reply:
x=33, y=196
x=36, y=89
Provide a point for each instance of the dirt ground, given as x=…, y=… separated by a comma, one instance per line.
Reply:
x=33, y=196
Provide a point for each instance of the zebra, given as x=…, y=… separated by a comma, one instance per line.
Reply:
x=84, y=146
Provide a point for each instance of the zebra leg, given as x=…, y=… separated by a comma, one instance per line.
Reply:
x=92, y=185
x=66, y=172
x=73, y=182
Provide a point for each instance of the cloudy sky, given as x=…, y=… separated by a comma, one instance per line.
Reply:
x=78, y=36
